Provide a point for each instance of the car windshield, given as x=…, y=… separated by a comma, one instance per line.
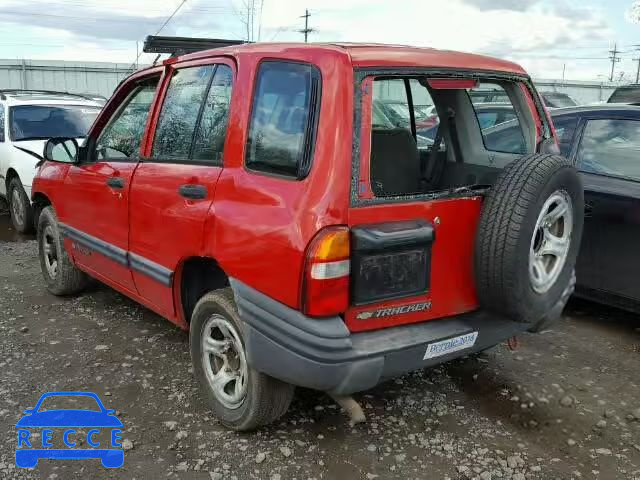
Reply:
x=69, y=402
x=625, y=95
x=32, y=122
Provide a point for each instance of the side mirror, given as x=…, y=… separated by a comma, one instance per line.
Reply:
x=61, y=149
x=29, y=410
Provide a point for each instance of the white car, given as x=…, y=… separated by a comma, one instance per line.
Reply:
x=27, y=119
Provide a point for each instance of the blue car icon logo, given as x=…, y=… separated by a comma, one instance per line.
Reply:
x=41, y=431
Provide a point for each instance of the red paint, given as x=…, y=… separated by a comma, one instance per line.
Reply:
x=258, y=226
x=452, y=288
x=452, y=83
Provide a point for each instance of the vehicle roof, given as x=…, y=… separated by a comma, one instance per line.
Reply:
x=612, y=108
x=33, y=97
x=363, y=55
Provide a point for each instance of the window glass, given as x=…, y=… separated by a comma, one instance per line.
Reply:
x=180, y=110
x=211, y=133
x=285, y=107
x=391, y=109
x=611, y=147
x=565, y=127
x=122, y=136
x=1, y=123
x=31, y=122
x=509, y=138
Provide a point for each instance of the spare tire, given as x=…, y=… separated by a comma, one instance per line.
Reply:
x=528, y=239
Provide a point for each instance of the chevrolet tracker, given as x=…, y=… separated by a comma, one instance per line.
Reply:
x=287, y=205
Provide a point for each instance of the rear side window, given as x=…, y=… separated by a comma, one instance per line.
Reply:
x=179, y=115
x=211, y=133
x=499, y=124
x=611, y=147
x=283, y=119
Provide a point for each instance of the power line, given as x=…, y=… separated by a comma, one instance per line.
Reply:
x=160, y=29
x=306, y=30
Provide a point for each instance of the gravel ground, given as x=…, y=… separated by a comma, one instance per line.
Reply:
x=565, y=404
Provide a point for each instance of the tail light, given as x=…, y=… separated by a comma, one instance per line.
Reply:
x=325, y=289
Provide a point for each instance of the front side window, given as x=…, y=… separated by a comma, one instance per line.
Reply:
x=611, y=147
x=122, y=136
x=510, y=138
x=283, y=118
x=36, y=122
x=180, y=111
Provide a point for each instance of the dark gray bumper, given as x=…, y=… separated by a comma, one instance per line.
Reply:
x=322, y=354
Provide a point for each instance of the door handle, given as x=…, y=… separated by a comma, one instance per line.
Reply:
x=115, y=182
x=193, y=192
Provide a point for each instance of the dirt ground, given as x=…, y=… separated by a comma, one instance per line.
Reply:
x=565, y=404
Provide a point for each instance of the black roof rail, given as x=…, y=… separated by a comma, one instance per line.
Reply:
x=181, y=45
x=18, y=91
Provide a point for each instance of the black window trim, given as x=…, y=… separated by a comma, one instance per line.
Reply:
x=90, y=141
x=579, y=136
x=311, y=133
x=189, y=160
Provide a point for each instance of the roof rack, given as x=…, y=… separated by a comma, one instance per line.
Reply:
x=181, y=45
x=18, y=91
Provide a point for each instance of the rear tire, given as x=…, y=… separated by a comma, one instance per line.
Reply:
x=20, y=207
x=528, y=240
x=60, y=274
x=243, y=399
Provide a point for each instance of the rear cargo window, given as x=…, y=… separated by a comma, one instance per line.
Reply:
x=283, y=118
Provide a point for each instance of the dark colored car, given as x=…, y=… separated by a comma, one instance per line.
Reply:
x=557, y=100
x=603, y=141
x=255, y=196
x=626, y=94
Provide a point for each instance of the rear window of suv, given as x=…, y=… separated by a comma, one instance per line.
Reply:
x=283, y=119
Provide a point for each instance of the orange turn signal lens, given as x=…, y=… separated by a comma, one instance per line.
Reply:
x=334, y=245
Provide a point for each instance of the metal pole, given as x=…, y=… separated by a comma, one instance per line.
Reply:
x=306, y=25
x=614, y=59
x=638, y=70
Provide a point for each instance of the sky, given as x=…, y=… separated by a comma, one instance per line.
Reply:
x=547, y=37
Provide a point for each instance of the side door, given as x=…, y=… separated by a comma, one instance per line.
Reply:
x=174, y=185
x=608, y=157
x=94, y=211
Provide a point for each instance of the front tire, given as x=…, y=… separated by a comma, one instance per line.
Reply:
x=60, y=274
x=20, y=207
x=241, y=397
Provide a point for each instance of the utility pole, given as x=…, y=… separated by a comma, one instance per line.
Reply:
x=306, y=29
x=614, y=59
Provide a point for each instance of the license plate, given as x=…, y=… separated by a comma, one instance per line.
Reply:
x=450, y=345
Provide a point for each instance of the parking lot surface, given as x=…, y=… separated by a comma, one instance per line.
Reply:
x=564, y=404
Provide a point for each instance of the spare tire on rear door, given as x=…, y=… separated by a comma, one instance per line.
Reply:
x=528, y=239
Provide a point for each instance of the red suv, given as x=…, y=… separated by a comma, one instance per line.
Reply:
x=254, y=195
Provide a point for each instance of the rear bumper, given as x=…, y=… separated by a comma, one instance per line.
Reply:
x=322, y=354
